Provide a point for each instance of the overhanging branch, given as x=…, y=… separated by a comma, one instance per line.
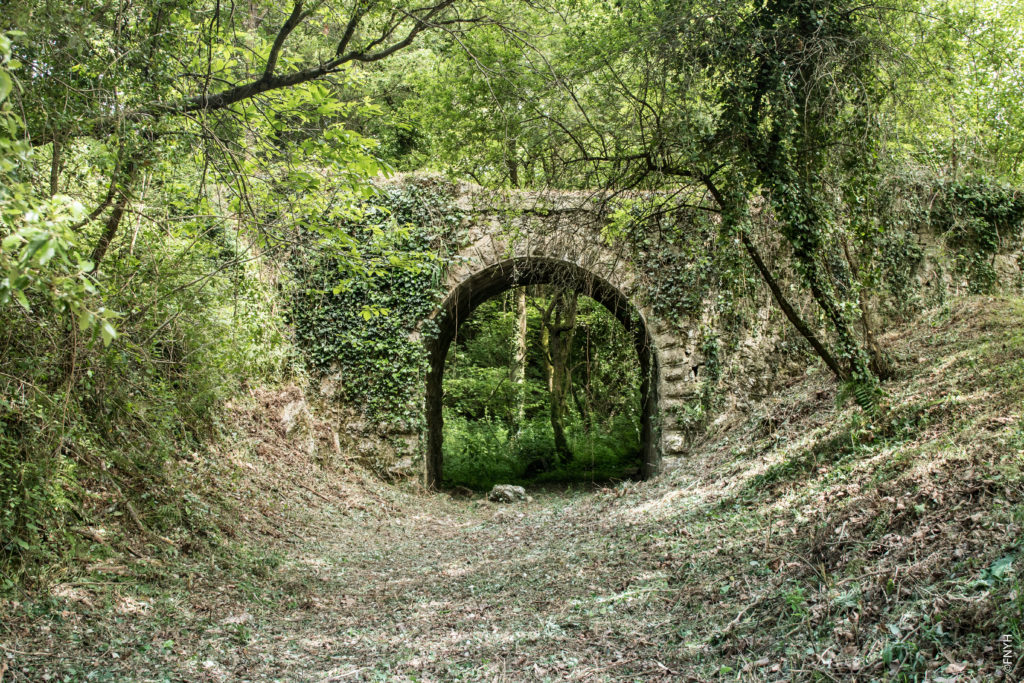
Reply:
x=421, y=19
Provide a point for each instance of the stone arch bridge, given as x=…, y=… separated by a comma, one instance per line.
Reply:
x=526, y=238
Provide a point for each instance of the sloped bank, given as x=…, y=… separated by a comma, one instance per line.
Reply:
x=800, y=540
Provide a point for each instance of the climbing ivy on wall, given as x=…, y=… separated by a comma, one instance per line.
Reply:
x=355, y=301
x=684, y=264
x=980, y=218
x=697, y=279
x=357, y=297
x=975, y=219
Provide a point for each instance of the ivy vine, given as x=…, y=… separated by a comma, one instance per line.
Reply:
x=980, y=219
x=354, y=302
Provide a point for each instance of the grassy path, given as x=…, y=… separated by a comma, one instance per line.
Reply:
x=800, y=540
x=441, y=589
x=464, y=590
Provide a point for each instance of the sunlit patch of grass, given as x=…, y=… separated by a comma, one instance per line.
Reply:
x=860, y=437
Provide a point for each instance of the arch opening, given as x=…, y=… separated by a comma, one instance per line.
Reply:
x=524, y=271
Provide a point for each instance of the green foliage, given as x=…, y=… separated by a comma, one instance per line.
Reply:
x=131, y=186
x=39, y=258
x=471, y=108
x=484, y=441
x=899, y=257
x=39, y=253
x=86, y=429
x=906, y=657
x=481, y=453
x=357, y=294
x=89, y=428
x=979, y=219
x=796, y=601
x=961, y=109
x=866, y=394
x=688, y=268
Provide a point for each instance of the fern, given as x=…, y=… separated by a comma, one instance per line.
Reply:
x=867, y=394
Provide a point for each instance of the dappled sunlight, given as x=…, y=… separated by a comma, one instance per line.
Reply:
x=504, y=340
x=129, y=605
x=458, y=570
x=667, y=504
x=750, y=539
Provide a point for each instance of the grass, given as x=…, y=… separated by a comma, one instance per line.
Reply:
x=481, y=453
x=838, y=548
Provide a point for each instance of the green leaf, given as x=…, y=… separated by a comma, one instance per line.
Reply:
x=108, y=332
x=47, y=255
x=1000, y=567
x=11, y=241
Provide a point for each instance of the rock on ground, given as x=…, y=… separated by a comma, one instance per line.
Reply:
x=506, y=493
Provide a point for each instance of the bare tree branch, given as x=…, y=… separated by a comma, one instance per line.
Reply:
x=293, y=20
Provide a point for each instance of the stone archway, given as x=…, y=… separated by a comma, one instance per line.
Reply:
x=521, y=238
x=538, y=270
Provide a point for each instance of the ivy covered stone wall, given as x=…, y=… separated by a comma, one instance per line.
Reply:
x=365, y=302
x=355, y=301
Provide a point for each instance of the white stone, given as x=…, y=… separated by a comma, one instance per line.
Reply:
x=506, y=493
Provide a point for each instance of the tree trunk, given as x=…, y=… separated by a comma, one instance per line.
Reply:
x=512, y=162
x=581, y=406
x=881, y=364
x=791, y=314
x=116, y=214
x=847, y=340
x=56, y=162
x=561, y=326
x=519, y=362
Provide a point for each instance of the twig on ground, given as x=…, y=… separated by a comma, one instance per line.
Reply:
x=24, y=653
x=315, y=493
x=735, y=622
x=820, y=573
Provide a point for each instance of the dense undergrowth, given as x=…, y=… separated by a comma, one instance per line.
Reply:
x=101, y=437
x=481, y=453
x=500, y=430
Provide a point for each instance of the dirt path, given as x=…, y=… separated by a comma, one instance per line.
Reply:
x=459, y=590
x=416, y=587
x=798, y=541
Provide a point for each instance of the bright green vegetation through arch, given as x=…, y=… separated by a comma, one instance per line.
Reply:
x=509, y=389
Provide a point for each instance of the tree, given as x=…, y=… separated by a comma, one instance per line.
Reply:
x=259, y=90
x=729, y=107
x=519, y=357
x=558, y=319
x=157, y=159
